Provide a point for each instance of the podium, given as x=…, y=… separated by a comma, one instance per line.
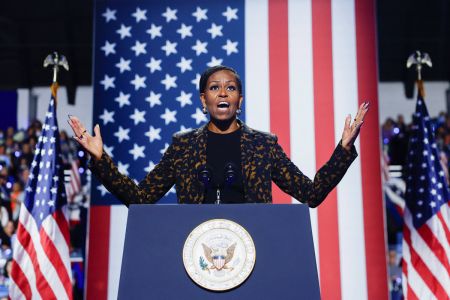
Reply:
x=152, y=264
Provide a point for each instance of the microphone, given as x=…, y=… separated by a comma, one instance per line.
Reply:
x=230, y=173
x=205, y=176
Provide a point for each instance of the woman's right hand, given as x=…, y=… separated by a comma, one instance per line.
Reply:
x=93, y=144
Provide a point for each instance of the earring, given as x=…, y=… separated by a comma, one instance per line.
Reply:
x=204, y=110
x=238, y=111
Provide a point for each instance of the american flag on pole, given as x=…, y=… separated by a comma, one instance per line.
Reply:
x=41, y=262
x=304, y=64
x=426, y=230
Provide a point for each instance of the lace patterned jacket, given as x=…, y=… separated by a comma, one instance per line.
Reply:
x=263, y=161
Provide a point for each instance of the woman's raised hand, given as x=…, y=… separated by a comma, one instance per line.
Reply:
x=351, y=130
x=93, y=144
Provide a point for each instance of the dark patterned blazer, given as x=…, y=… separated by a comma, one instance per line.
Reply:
x=263, y=161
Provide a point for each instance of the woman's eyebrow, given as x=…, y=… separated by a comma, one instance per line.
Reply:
x=220, y=81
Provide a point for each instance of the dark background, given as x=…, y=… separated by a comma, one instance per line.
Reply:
x=29, y=30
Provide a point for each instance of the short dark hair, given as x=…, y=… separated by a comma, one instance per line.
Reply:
x=211, y=70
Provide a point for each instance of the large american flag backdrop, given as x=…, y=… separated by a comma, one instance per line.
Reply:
x=305, y=65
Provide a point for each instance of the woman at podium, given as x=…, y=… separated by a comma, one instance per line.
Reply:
x=224, y=161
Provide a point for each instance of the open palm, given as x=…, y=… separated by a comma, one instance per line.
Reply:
x=93, y=144
x=351, y=130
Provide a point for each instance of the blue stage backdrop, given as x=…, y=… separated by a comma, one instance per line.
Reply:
x=8, y=103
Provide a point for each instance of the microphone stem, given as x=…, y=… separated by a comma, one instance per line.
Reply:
x=218, y=196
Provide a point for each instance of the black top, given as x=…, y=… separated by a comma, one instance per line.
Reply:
x=223, y=158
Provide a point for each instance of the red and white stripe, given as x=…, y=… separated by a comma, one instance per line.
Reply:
x=426, y=256
x=308, y=64
x=73, y=185
x=41, y=258
x=316, y=65
x=107, y=224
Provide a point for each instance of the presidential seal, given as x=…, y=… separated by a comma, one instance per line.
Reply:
x=219, y=255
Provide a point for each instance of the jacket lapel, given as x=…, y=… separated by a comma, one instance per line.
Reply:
x=198, y=146
x=247, y=152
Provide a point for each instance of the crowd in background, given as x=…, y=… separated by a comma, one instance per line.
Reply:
x=395, y=135
x=16, y=155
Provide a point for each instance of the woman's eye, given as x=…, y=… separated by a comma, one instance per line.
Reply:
x=213, y=88
x=231, y=88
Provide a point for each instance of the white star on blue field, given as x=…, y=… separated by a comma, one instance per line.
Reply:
x=148, y=61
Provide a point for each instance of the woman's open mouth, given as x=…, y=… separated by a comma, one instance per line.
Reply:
x=223, y=106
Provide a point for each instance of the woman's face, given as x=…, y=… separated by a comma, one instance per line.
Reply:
x=221, y=96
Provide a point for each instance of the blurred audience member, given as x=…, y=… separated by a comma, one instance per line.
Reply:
x=5, y=201
x=6, y=235
x=387, y=130
x=17, y=197
x=395, y=275
x=5, y=160
x=26, y=155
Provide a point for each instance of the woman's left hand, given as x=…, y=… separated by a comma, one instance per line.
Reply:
x=351, y=130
